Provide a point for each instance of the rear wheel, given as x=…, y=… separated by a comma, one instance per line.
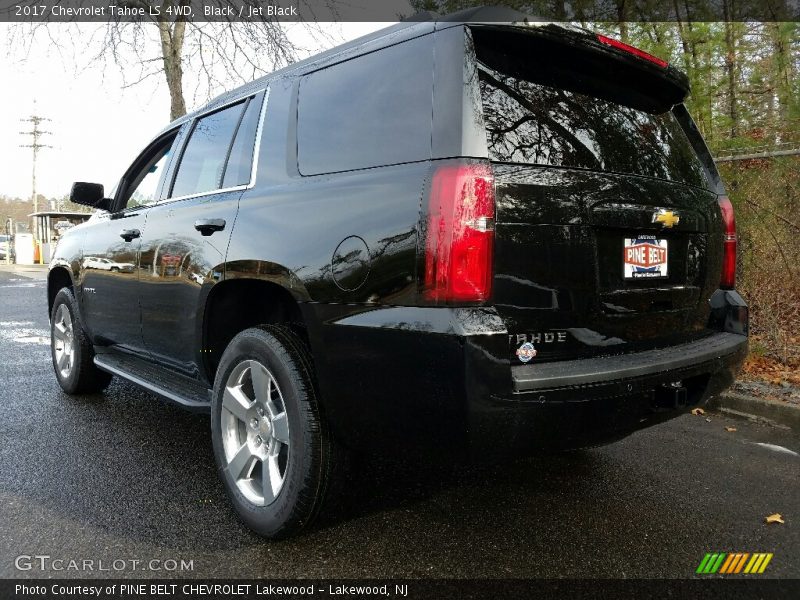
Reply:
x=271, y=445
x=71, y=350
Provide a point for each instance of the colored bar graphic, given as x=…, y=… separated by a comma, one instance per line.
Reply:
x=711, y=562
x=734, y=562
x=757, y=564
x=703, y=563
x=732, y=559
x=737, y=560
x=764, y=564
x=715, y=567
x=749, y=567
x=741, y=562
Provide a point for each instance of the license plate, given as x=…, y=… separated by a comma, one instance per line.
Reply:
x=644, y=257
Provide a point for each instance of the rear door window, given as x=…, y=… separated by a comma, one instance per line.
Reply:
x=205, y=156
x=533, y=123
x=370, y=111
x=240, y=161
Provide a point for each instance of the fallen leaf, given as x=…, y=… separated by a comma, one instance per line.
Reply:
x=730, y=429
x=776, y=518
x=698, y=411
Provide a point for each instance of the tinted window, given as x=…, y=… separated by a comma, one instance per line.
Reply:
x=240, y=162
x=145, y=193
x=204, y=158
x=144, y=183
x=370, y=111
x=527, y=122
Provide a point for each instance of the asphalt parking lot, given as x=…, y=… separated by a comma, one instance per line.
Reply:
x=124, y=476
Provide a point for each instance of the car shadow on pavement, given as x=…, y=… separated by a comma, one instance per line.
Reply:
x=376, y=484
x=143, y=470
x=132, y=473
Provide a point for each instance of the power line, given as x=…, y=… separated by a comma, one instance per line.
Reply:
x=36, y=134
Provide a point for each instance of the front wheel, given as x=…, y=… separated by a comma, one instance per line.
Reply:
x=271, y=444
x=71, y=350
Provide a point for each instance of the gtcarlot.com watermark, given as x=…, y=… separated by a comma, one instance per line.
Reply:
x=47, y=563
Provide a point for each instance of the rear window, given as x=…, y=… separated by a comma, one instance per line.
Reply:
x=371, y=111
x=533, y=123
x=240, y=160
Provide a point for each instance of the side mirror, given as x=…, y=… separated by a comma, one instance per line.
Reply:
x=89, y=194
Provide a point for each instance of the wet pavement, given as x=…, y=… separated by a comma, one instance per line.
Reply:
x=123, y=476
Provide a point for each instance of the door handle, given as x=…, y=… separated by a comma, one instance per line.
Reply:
x=129, y=234
x=209, y=226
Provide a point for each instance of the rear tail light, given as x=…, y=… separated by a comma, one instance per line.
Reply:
x=631, y=50
x=460, y=234
x=729, y=244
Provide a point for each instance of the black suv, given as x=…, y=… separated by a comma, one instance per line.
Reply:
x=485, y=238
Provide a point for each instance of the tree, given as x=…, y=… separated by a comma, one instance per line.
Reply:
x=731, y=68
x=785, y=69
x=168, y=41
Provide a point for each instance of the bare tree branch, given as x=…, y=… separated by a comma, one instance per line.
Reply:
x=225, y=53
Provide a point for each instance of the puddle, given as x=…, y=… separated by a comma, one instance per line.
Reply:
x=33, y=339
x=23, y=332
x=776, y=448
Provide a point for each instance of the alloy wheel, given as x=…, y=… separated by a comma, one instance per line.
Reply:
x=255, y=432
x=64, y=341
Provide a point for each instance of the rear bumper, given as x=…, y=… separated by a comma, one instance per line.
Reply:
x=707, y=352
x=581, y=403
x=405, y=377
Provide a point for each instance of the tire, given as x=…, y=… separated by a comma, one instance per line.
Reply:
x=71, y=350
x=273, y=449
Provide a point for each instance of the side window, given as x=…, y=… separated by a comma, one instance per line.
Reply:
x=240, y=162
x=204, y=158
x=370, y=111
x=144, y=179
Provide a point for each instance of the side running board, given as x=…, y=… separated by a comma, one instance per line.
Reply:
x=185, y=392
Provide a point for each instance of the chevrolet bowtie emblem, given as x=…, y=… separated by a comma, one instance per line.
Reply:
x=666, y=217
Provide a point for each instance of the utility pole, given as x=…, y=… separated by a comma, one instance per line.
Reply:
x=9, y=229
x=36, y=134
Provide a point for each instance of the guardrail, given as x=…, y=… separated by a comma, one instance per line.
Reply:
x=756, y=155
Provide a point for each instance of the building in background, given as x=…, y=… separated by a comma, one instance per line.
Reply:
x=51, y=224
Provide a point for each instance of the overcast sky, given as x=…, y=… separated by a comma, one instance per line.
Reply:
x=97, y=127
